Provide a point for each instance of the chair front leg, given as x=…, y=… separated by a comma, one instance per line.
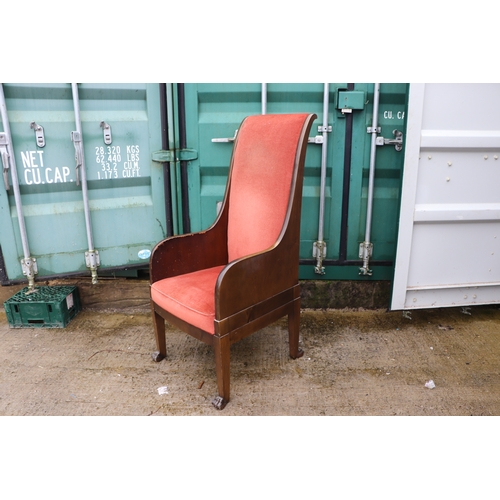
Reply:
x=294, y=329
x=161, y=344
x=222, y=349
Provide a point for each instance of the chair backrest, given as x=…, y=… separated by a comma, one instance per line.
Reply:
x=261, y=176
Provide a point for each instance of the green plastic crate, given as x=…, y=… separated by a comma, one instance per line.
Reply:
x=46, y=307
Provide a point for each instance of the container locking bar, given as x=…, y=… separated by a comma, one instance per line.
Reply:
x=319, y=246
x=28, y=264
x=92, y=256
x=366, y=247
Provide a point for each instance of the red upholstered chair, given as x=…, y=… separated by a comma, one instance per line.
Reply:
x=241, y=274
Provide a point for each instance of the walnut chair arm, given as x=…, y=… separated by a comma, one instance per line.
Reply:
x=187, y=253
x=255, y=278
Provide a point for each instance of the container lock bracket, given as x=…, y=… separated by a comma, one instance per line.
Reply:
x=5, y=160
x=173, y=155
x=39, y=134
x=29, y=267
x=317, y=139
x=106, y=129
x=365, y=253
x=92, y=259
x=319, y=252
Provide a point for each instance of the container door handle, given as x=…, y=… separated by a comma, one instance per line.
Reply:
x=77, y=141
x=106, y=129
x=5, y=160
x=39, y=134
x=225, y=139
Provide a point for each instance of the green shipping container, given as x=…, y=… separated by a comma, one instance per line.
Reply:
x=156, y=160
x=212, y=114
x=120, y=127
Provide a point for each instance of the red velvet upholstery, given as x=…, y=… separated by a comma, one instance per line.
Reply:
x=260, y=182
x=189, y=297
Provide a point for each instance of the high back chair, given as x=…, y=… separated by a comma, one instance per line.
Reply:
x=241, y=274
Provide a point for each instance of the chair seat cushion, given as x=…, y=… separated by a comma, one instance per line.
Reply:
x=190, y=297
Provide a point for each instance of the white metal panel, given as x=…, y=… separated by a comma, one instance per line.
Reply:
x=449, y=234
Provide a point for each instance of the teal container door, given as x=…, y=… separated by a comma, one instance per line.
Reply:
x=125, y=186
x=209, y=115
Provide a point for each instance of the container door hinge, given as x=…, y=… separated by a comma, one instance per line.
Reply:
x=39, y=134
x=171, y=155
x=106, y=129
x=397, y=142
x=5, y=160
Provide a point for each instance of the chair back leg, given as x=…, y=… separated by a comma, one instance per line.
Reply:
x=293, y=330
x=222, y=349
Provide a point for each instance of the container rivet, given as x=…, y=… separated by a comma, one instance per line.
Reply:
x=485, y=157
x=449, y=163
x=429, y=157
x=496, y=157
x=474, y=296
x=447, y=179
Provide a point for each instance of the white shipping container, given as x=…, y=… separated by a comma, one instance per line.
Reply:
x=449, y=231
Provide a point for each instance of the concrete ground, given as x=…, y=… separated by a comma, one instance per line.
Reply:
x=356, y=362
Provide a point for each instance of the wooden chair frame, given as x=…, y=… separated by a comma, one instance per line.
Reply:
x=271, y=288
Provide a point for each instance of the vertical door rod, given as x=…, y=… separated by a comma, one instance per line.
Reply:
x=264, y=98
x=92, y=256
x=319, y=247
x=28, y=264
x=366, y=248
